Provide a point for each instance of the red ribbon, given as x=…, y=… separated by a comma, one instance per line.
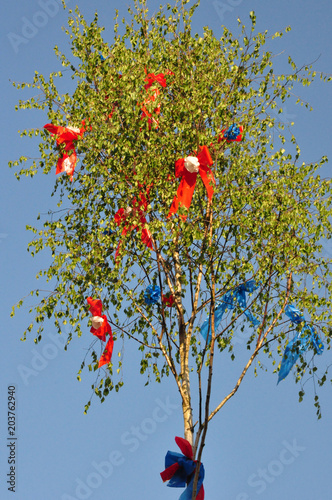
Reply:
x=122, y=215
x=66, y=135
x=160, y=78
x=168, y=300
x=96, y=307
x=151, y=78
x=188, y=181
x=146, y=113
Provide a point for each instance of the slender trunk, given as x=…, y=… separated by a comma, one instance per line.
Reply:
x=186, y=398
x=184, y=351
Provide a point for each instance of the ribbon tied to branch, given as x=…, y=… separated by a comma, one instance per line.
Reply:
x=232, y=134
x=123, y=215
x=100, y=328
x=188, y=168
x=228, y=302
x=152, y=295
x=151, y=78
x=168, y=299
x=180, y=470
x=299, y=343
x=146, y=113
x=67, y=136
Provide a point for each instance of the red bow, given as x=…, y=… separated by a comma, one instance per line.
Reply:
x=66, y=135
x=168, y=300
x=102, y=328
x=188, y=182
x=160, y=78
x=151, y=78
x=121, y=216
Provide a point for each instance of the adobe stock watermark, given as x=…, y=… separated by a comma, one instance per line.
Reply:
x=33, y=24
x=263, y=477
x=226, y=7
x=284, y=116
x=41, y=357
x=131, y=441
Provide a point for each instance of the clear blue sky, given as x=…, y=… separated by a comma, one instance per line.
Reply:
x=264, y=444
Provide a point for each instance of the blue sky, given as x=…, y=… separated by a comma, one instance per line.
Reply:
x=263, y=444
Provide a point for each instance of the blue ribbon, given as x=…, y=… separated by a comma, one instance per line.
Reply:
x=239, y=295
x=232, y=132
x=152, y=294
x=300, y=343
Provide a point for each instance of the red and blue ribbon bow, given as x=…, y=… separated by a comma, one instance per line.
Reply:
x=67, y=136
x=180, y=470
x=187, y=169
x=232, y=134
x=299, y=344
x=100, y=328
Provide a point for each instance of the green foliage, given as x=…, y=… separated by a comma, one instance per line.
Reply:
x=268, y=215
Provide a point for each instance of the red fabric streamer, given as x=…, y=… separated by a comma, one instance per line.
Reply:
x=146, y=113
x=151, y=78
x=103, y=328
x=185, y=447
x=106, y=357
x=160, y=78
x=188, y=181
x=66, y=135
x=168, y=473
x=121, y=216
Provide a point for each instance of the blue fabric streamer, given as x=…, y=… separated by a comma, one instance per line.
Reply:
x=102, y=58
x=299, y=343
x=239, y=294
x=108, y=232
x=232, y=132
x=152, y=294
x=294, y=314
x=184, y=476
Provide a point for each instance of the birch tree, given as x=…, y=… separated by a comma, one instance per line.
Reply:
x=187, y=213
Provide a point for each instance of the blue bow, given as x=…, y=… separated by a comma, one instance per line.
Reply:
x=239, y=294
x=152, y=294
x=299, y=343
x=232, y=132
